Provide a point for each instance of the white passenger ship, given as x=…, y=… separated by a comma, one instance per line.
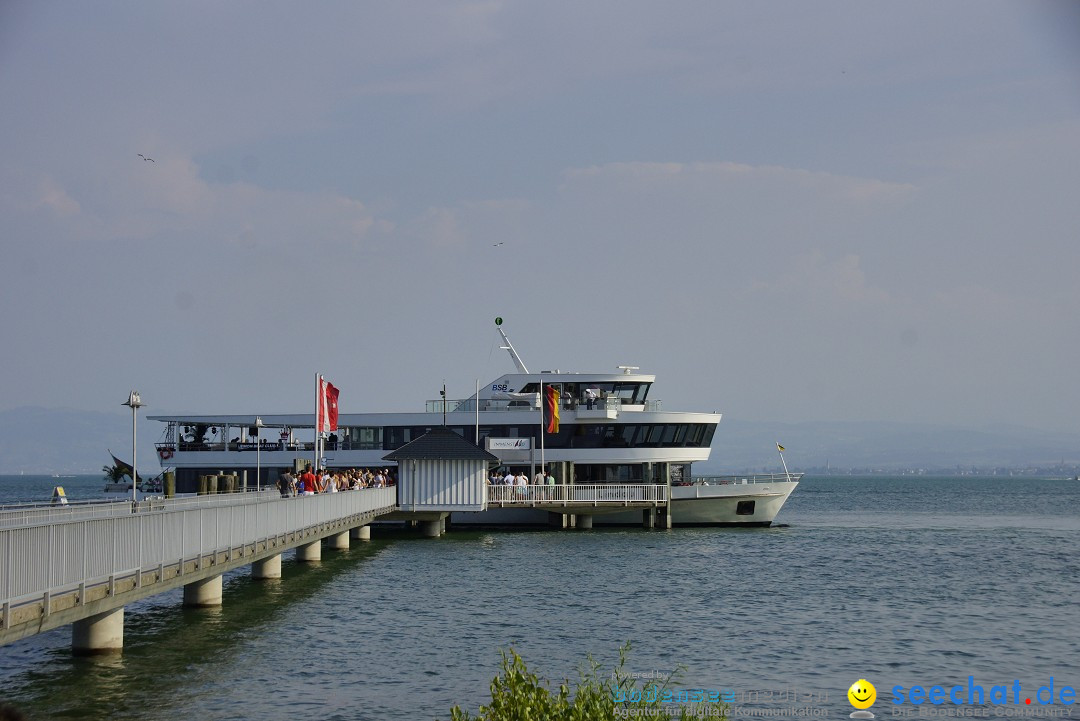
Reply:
x=610, y=432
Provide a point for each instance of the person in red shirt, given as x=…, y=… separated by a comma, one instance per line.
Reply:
x=308, y=482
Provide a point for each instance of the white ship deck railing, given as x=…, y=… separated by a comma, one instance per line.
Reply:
x=596, y=494
x=737, y=479
x=464, y=405
x=265, y=447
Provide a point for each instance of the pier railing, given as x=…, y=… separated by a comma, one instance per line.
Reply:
x=595, y=494
x=33, y=514
x=46, y=552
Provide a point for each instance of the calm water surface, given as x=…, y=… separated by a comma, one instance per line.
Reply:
x=902, y=581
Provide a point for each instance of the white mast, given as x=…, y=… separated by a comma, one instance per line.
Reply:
x=780, y=450
x=543, y=426
x=315, y=459
x=510, y=347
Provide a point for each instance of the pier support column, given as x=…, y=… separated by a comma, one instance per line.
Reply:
x=665, y=516
x=648, y=518
x=558, y=520
x=339, y=541
x=363, y=533
x=584, y=523
x=100, y=634
x=267, y=568
x=200, y=594
x=309, y=551
x=431, y=529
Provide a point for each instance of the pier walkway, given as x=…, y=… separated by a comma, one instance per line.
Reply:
x=81, y=563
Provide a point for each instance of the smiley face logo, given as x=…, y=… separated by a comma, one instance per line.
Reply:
x=862, y=694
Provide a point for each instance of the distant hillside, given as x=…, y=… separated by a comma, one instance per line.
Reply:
x=745, y=446
x=58, y=440
x=62, y=440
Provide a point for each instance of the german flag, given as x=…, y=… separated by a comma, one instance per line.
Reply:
x=551, y=403
x=125, y=467
x=779, y=448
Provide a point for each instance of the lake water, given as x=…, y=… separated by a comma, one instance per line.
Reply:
x=902, y=581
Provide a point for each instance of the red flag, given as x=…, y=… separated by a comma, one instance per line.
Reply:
x=328, y=407
x=552, y=404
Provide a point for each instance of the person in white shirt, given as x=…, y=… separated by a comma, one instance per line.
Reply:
x=539, y=480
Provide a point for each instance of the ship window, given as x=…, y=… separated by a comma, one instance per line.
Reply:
x=368, y=438
x=745, y=508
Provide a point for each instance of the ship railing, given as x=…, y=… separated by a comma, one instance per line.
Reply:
x=739, y=479
x=599, y=493
x=468, y=405
x=265, y=447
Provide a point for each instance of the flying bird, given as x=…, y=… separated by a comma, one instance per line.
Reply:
x=499, y=243
x=146, y=158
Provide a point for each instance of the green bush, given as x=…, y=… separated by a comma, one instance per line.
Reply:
x=520, y=695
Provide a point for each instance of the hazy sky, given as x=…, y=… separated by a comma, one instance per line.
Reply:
x=788, y=211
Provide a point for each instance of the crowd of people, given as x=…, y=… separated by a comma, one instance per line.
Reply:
x=324, y=480
x=510, y=485
x=505, y=486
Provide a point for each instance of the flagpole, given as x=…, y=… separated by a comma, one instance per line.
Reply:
x=780, y=450
x=315, y=460
x=476, y=400
x=543, y=429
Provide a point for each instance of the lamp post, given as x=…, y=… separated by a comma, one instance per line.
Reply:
x=258, y=450
x=135, y=402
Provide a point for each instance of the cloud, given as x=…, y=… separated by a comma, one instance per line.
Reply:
x=52, y=196
x=170, y=198
x=812, y=278
x=704, y=177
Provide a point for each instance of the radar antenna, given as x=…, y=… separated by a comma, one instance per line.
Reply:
x=510, y=347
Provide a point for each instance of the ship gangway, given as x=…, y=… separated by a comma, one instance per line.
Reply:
x=81, y=563
x=583, y=501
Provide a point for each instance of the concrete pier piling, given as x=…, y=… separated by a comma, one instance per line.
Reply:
x=338, y=541
x=100, y=634
x=267, y=568
x=204, y=593
x=309, y=551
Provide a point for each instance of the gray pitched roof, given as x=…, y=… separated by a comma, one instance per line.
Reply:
x=440, y=444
